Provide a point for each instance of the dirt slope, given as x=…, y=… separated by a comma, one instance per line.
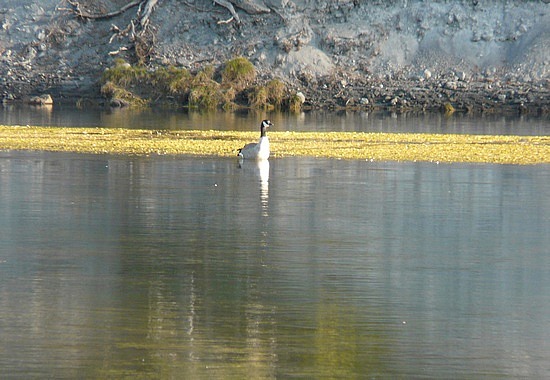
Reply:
x=312, y=45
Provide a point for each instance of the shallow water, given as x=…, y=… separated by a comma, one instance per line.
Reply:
x=177, y=267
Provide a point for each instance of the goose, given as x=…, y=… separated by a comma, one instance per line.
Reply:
x=259, y=150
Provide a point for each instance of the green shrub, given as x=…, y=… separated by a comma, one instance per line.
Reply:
x=228, y=97
x=259, y=97
x=123, y=74
x=448, y=108
x=276, y=91
x=111, y=91
x=171, y=80
x=205, y=96
x=238, y=73
x=295, y=103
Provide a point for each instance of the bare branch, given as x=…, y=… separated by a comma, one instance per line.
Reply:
x=147, y=10
x=87, y=15
x=139, y=33
x=225, y=21
x=229, y=6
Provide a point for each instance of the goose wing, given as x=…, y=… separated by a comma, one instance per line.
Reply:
x=249, y=146
x=249, y=150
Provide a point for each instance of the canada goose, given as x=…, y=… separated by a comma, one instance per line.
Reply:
x=259, y=150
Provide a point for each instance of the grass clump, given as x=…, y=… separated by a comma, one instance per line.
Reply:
x=448, y=109
x=171, y=80
x=123, y=74
x=269, y=97
x=119, y=84
x=209, y=88
x=205, y=92
x=276, y=90
x=259, y=98
x=121, y=97
x=205, y=96
x=295, y=103
x=238, y=72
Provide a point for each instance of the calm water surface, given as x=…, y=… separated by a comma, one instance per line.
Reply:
x=175, y=267
x=65, y=116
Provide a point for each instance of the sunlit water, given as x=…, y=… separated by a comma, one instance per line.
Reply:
x=177, y=267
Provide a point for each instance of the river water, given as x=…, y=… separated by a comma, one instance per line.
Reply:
x=181, y=267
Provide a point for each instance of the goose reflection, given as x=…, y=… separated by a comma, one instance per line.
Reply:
x=260, y=168
x=263, y=171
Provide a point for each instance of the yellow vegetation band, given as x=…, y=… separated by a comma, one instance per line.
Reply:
x=345, y=145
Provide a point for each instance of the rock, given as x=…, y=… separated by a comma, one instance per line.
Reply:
x=461, y=76
x=42, y=100
x=118, y=103
x=427, y=74
x=450, y=85
x=8, y=97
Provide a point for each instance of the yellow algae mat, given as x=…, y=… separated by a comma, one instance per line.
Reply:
x=345, y=145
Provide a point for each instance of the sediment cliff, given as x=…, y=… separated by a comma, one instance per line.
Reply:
x=338, y=53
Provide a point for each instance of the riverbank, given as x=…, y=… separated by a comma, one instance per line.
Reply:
x=402, y=55
x=341, y=145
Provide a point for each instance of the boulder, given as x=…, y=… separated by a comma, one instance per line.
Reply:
x=41, y=100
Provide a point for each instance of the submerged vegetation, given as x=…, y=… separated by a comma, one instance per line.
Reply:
x=230, y=87
x=344, y=145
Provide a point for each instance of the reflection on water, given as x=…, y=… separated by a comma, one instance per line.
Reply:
x=63, y=116
x=183, y=267
x=261, y=173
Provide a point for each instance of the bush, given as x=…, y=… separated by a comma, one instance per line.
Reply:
x=295, y=103
x=207, y=89
x=123, y=74
x=113, y=92
x=205, y=95
x=238, y=73
x=171, y=80
x=259, y=97
x=276, y=91
x=269, y=96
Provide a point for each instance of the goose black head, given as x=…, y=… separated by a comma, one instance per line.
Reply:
x=265, y=124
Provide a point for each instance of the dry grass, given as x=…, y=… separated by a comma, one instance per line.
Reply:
x=344, y=145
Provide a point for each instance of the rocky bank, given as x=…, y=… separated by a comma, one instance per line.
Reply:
x=403, y=54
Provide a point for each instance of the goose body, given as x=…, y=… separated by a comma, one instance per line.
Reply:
x=259, y=150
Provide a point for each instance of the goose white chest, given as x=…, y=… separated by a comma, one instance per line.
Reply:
x=259, y=150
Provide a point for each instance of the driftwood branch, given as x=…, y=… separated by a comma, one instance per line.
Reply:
x=252, y=7
x=229, y=6
x=138, y=31
x=82, y=13
x=225, y=21
x=146, y=12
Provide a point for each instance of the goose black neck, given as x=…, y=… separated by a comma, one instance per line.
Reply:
x=263, y=131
